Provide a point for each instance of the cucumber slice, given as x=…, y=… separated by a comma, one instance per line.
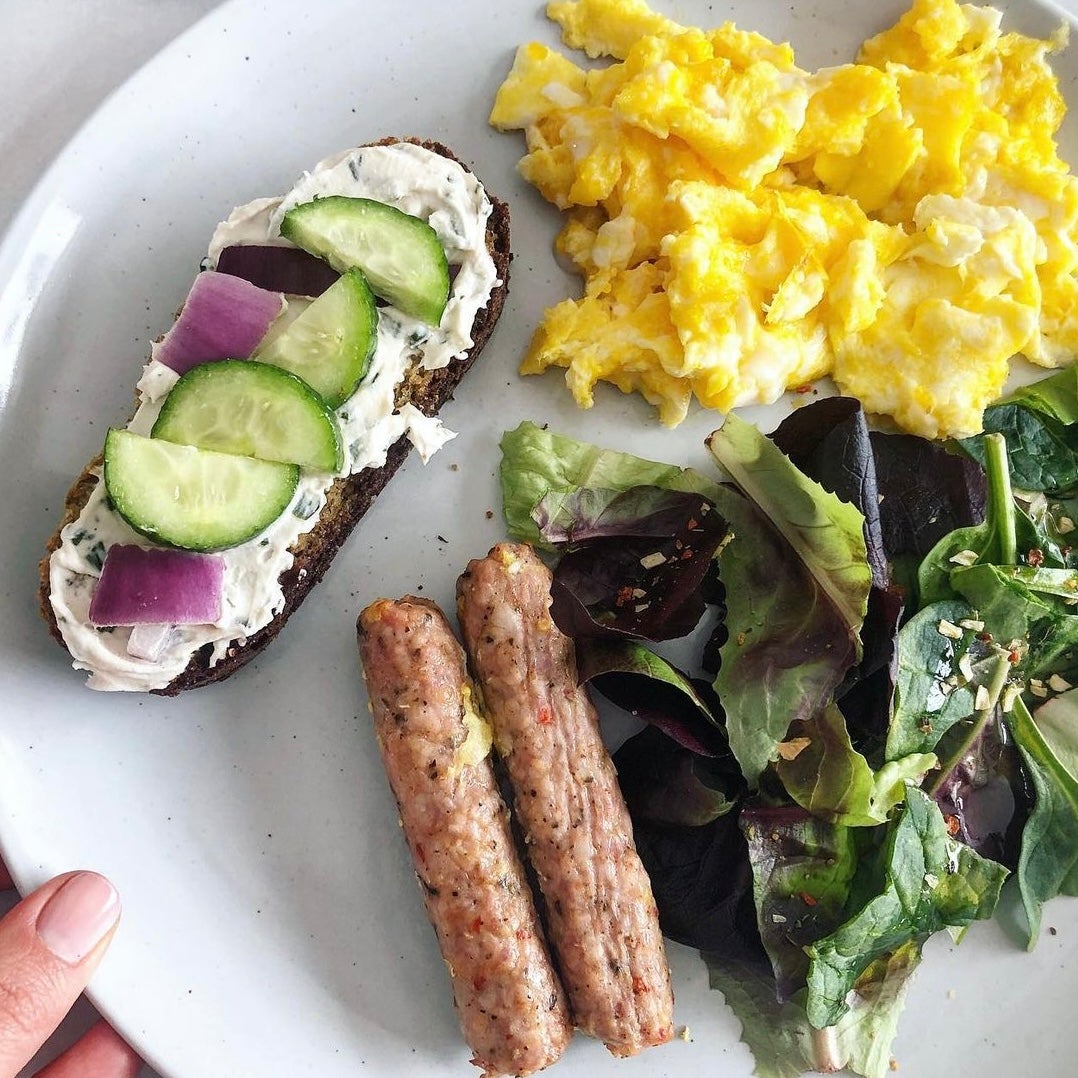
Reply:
x=194, y=498
x=400, y=255
x=253, y=409
x=330, y=344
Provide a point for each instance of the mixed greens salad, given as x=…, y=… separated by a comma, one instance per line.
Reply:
x=878, y=729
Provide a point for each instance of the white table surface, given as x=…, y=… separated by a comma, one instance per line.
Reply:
x=70, y=55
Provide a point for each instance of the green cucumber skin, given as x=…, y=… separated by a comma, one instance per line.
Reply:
x=271, y=487
x=338, y=373
x=237, y=384
x=338, y=228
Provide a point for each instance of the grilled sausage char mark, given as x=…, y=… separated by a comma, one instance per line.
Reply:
x=602, y=921
x=510, y=1003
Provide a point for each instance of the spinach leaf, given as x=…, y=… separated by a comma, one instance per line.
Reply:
x=930, y=882
x=975, y=788
x=833, y=781
x=994, y=541
x=797, y=584
x=1055, y=396
x=1040, y=424
x=1048, y=863
x=1042, y=624
x=929, y=696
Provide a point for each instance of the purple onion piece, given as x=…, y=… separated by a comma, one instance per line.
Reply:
x=224, y=317
x=279, y=269
x=157, y=587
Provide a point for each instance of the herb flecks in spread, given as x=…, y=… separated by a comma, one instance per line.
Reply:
x=409, y=178
x=743, y=226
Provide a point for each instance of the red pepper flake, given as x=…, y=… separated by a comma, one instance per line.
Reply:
x=809, y=900
x=623, y=596
x=808, y=387
x=1035, y=558
x=693, y=524
x=640, y=986
x=686, y=553
x=1013, y=657
x=545, y=716
x=954, y=825
x=986, y=637
x=477, y=924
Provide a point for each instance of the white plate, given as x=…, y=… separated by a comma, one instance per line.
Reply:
x=272, y=924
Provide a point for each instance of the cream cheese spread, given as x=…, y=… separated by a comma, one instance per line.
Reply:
x=412, y=179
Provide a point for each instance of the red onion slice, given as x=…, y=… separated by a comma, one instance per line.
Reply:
x=224, y=317
x=162, y=587
x=280, y=269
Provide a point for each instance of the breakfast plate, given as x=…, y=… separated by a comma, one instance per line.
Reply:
x=272, y=924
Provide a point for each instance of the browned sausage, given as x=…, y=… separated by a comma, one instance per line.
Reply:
x=603, y=924
x=511, y=1005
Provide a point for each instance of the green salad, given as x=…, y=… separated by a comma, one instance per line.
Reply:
x=878, y=731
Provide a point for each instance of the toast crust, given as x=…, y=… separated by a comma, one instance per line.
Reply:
x=347, y=500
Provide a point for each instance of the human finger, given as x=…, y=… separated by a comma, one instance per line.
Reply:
x=50, y=944
x=100, y=1053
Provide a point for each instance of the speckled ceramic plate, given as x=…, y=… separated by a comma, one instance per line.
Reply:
x=272, y=926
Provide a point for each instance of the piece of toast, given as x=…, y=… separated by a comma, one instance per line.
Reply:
x=347, y=499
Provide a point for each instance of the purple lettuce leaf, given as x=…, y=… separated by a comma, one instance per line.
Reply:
x=925, y=492
x=829, y=441
x=634, y=678
x=802, y=869
x=641, y=586
x=665, y=783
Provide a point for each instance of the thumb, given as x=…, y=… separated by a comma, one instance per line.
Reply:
x=50, y=944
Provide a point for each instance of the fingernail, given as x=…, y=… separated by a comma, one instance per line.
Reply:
x=76, y=919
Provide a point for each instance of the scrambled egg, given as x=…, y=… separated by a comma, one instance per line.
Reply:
x=902, y=223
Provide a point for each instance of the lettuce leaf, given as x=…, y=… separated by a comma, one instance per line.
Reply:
x=833, y=781
x=637, y=680
x=666, y=783
x=782, y=1042
x=797, y=584
x=638, y=569
x=537, y=464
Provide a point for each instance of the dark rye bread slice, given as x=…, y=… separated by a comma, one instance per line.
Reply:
x=347, y=499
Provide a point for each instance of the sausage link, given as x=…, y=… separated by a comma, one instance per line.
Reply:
x=603, y=924
x=510, y=1003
